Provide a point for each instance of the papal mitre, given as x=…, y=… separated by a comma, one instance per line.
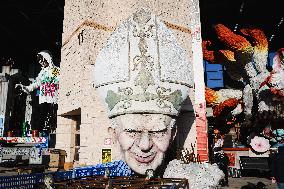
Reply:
x=142, y=68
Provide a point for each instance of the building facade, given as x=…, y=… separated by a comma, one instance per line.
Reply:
x=82, y=118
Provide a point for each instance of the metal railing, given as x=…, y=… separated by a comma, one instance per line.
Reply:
x=31, y=181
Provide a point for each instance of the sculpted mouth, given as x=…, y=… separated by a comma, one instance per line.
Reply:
x=144, y=158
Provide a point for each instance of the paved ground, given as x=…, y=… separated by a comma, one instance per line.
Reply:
x=237, y=183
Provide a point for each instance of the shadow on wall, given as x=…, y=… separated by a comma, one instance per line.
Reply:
x=184, y=123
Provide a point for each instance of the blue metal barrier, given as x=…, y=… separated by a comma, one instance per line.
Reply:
x=21, y=181
x=116, y=168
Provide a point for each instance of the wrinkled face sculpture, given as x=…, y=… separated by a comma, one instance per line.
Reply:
x=144, y=139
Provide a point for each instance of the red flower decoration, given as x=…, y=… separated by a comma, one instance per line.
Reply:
x=231, y=40
x=225, y=107
x=210, y=96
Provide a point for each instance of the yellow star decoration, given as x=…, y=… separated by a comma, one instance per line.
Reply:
x=55, y=72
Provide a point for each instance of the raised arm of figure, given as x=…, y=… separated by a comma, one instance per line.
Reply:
x=31, y=87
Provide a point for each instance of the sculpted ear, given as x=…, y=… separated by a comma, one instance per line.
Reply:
x=112, y=130
x=113, y=135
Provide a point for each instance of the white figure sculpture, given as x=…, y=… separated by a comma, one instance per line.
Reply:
x=48, y=82
x=143, y=76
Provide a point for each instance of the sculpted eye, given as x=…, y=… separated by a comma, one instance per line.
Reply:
x=132, y=131
x=159, y=131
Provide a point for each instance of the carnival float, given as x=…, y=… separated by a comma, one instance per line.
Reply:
x=250, y=108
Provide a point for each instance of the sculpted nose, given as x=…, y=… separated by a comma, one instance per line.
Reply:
x=145, y=142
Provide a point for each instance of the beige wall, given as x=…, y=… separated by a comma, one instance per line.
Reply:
x=87, y=26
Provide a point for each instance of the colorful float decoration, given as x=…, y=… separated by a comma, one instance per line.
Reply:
x=245, y=62
x=260, y=144
x=253, y=97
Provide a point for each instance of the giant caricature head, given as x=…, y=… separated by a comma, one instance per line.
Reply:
x=143, y=138
x=143, y=76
